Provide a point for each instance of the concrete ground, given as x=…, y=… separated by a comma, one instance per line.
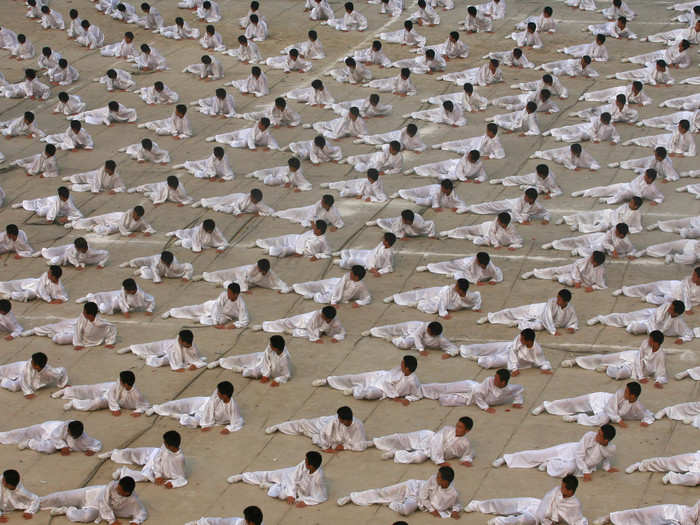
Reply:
x=212, y=457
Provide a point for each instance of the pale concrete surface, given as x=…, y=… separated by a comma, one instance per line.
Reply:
x=213, y=457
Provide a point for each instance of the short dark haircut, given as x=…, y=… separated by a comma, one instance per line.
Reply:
x=447, y=474
x=329, y=312
x=565, y=294
x=234, y=288
x=127, y=484
x=570, y=482
x=11, y=477
x=503, y=374
x=253, y=515
x=76, y=429
x=410, y=362
x=528, y=334
x=167, y=257
x=39, y=359
x=314, y=459
x=321, y=226
x=277, y=341
x=172, y=438
x=435, y=327
x=608, y=432
x=467, y=422
x=634, y=388
x=186, y=335
x=345, y=413
x=56, y=271
x=225, y=388
x=127, y=377
x=91, y=308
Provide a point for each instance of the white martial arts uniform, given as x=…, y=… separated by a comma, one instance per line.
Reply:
x=464, y=393
x=167, y=352
x=479, y=76
x=156, y=463
x=150, y=95
x=310, y=325
x=565, y=157
x=209, y=168
x=20, y=245
x=423, y=445
x=292, y=482
x=623, y=191
x=160, y=192
x=439, y=299
x=571, y=67
x=630, y=364
x=217, y=312
x=462, y=169
x=412, y=143
x=660, y=292
x=49, y=437
x=595, y=131
x=412, y=495
x=646, y=321
x=414, y=335
x=597, y=52
x=488, y=147
x=179, y=32
x=96, y=181
x=327, y=432
x=38, y=164
x=547, y=316
x=678, y=143
x=578, y=457
x=581, y=272
x=111, y=395
x=519, y=209
x=121, y=222
x=335, y=290
x=215, y=106
x=418, y=228
x=32, y=288
x=379, y=384
x=96, y=503
x=74, y=105
x=604, y=407
x=489, y=233
x=68, y=254
x=204, y=412
x=250, y=138
x=513, y=355
x=665, y=513
x=77, y=332
x=23, y=376
x=352, y=21
x=307, y=215
x=247, y=277
x=122, y=82
x=254, y=85
x=212, y=71
x=270, y=364
x=197, y=239
x=308, y=244
x=552, y=508
x=547, y=186
x=363, y=188
x=18, y=498
x=356, y=75
x=380, y=259
x=115, y=301
x=175, y=126
x=467, y=268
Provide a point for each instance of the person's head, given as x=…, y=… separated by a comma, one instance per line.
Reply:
x=531, y=27
x=468, y=88
x=179, y=21
x=684, y=126
x=445, y=476
x=620, y=100
x=493, y=65
x=5, y=306
x=328, y=313
x=621, y=230
x=208, y=225
x=446, y=186
x=605, y=118
x=206, y=60
x=317, y=84
x=218, y=152
x=563, y=298
x=408, y=365
x=357, y=273
x=461, y=287
x=113, y=105
x=39, y=361
x=293, y=163
x=313, y=35
x=90, y=310
x=252, y=515
x=354, y=113
x=45, y=9
x=635, y=202
x=12, y=231
x=503, y=219
x=28, y=117
x=597, y=258
x=408, y=25
x=181, y=109
x=637, y=87
x=145, y=49
x=81, y=245
x=632, y=391
x=407, y=217
x=242, y=40
x=660, y=153
x=411, y=130
x=350, y=62
x=547, y=79
x=434, y=328
x=29, y=74
x=650, y=175
x=695, y=276
x=372, y=175
x=319, y=227
x=138, y=212
x=75, y=126
x=464, y=425
x=388, y=239
x=129, y=286
x=454, y=36
x=677, y=308
x=172, y=440
x=394, y=147
x=21, y=38
x=327, y=202
x=656, y=339
x=374, y=99
x=10, y=479
x=54, y=273
x=600, y=39
x=145, y=7
x=617, y=3
x=256, y=195
x=73, y=13
x=430, y=54
x=225, y=391
x=605, y=434
x=569, y=485
x=547, y=12
x=185, y=338
x=448, y=106
x=585, y=61
x=376, y=45
x=126, y=486
x=471, y=11
x=158, y=86
x=313, y=461
x=172, y=182
x=531, y=107
x=491, y=129
x=46, y=51
x=545, y=95
x=277, y=343
x=264, y=123
x=233, y=290
x=661, y=65
x=501, y=378
x=206, y=4
x=294, y=53
x=527, y=337
x=127, y=379
x=210, y=29
x=345, y=416
x=256, y=71
x=621, y=22
x=167, y=258
x=75, y=429
x=530, y=195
